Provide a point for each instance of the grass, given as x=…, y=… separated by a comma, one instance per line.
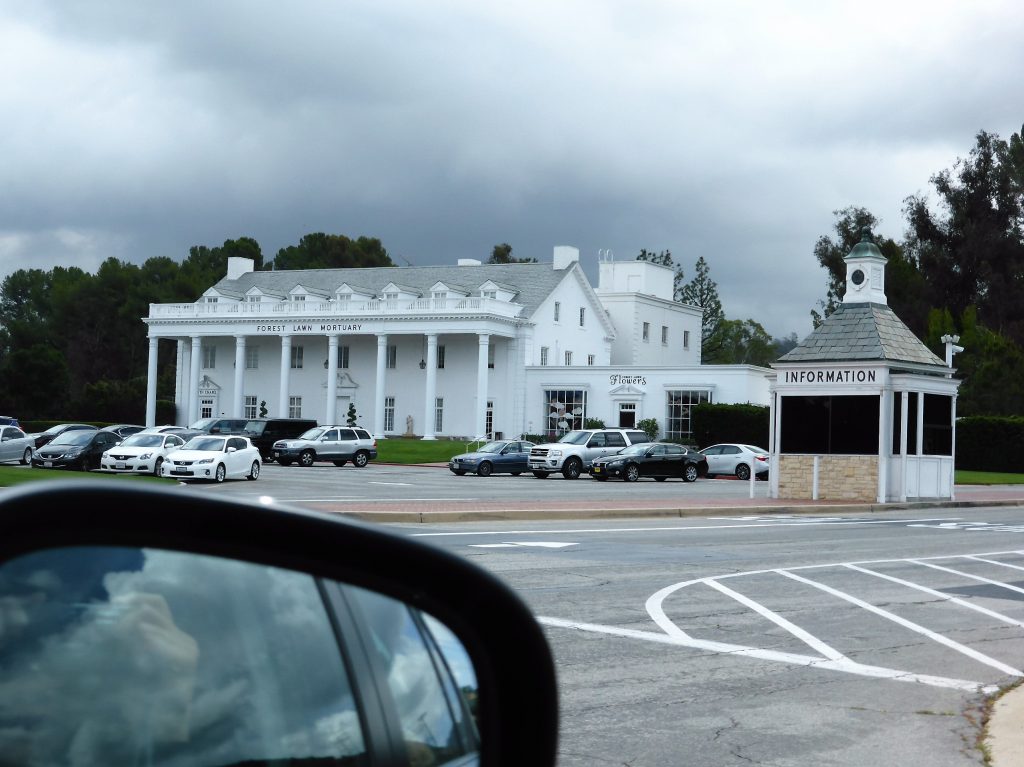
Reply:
x=17, y=475
x=988, y=478
x=421, y=451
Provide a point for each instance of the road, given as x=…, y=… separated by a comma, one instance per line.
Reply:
x=773, y=639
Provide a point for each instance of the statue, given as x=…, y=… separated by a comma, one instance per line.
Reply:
x=408, y=426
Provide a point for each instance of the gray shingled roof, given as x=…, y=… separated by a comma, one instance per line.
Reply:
x=534, y=282
x=869, y=332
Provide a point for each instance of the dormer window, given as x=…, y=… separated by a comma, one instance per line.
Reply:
x=298, y=298
x=490, y=294
x=252, y=299
x=343, y=298
x=390, y=296
x=211, y=299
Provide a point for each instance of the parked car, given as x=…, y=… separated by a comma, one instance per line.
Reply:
x=182, y=431
x=46, y=436
x=337, y=444
x=7, y=420
x=576, y=450
x=143, y=452
x=499, y=457
x=215, y=458
x=80, y=449
x=736, y=459
x=15, y=445
x=264, y=432
x=123, y=430
x=658, y=460
x=206, y=631
x=220, y=425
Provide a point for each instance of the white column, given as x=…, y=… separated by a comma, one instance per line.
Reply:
x=431, y=389
x=952, y=468
x=151, y=382
x=773, y=445
x=480, y=423
x=286, y=369
x=195, y=361
x=330, y=417
x=181, y=381
x=920, y=425
x=884, y=442
x=904, y=420
x=238, y=408
x=378, y=404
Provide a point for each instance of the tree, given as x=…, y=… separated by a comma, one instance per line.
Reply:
x=703, y=292
x=332, y=251
x=351, y=416
x=502, y=254
x=972, y=251
x=741, y=342
x=665, y=259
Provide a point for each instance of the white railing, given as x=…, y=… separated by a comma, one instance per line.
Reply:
x=429, y=306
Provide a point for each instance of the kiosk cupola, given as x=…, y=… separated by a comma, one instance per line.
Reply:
x=865, y=273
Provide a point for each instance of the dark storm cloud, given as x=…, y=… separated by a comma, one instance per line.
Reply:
x=729, y=131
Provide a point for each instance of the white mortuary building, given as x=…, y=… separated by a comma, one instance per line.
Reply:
x=466, y=351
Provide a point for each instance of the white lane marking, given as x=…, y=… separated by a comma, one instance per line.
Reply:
x=522, y=544
x=364, y=499
x=845, y=666
x=976, y=527
x=397, y=484
x=654, y=529
x=809, y=639
x=978, y=578
x=940, y=595
x=915, y=627
x=994, y=562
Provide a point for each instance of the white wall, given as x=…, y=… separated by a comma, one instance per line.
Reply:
x=566, y=334
x=629, y=311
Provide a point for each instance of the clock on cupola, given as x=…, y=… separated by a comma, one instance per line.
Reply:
x=865, y=273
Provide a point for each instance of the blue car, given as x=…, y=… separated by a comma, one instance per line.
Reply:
x=500, y=457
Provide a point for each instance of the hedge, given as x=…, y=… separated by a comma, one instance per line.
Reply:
x=742, y=424
x=990, y=443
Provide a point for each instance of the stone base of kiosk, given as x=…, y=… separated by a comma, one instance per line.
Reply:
x=839, y=477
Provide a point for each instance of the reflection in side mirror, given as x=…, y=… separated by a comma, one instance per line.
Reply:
x=117, y=655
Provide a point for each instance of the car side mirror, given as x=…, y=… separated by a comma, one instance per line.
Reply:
x=232, y=450
x=144, y=617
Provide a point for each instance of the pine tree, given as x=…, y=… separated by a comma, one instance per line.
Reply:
x=703, y=292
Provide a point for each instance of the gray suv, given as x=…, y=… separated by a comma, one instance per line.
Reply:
x=337, y=444
x=575, y=451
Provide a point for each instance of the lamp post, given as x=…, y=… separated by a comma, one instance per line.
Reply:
x=951, y=348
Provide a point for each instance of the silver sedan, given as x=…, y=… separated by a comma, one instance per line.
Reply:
x=15, y=445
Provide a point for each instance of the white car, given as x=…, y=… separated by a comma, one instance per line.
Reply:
x=736, y=459
x=214, y=458
x=141, y=452
x=15, y=445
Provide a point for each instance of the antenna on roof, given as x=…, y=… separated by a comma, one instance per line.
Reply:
x=407, y=261
x=605, y=255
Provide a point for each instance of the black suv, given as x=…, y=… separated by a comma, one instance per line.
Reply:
x=264, y=432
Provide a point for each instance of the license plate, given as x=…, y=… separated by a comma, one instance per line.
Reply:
x=48, y=464
x=120, y=466
x=181, y=472
x=275, y=454
x=597, y=469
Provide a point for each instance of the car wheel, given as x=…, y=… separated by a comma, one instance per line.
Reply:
x=571, y=469
x=460, y=473
x=306, y=458
x=158, y=466
x=284, y=461
x=360, y=459
x=743, y=471
x=660, y=479
x=339, y=464
x=690, y=473
x=221, y=473
x=27, y=457
x=601, y=479
x=540, y=474
x=632, y=473
x=254, y=472
x=484, y=469
x=515, y=473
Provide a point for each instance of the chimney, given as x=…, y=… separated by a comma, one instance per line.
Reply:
x=237, y=266
x=566, y=256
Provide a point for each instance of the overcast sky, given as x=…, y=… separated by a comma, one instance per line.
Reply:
x=729, y=130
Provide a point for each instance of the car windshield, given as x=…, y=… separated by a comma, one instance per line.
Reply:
x=493, y=447
x=312, y=433
x=754, y=449
x=54, y=429
x=143, y=440
x=575, y=437
x=76, y=437
x=208, y=444
x=203, y=423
